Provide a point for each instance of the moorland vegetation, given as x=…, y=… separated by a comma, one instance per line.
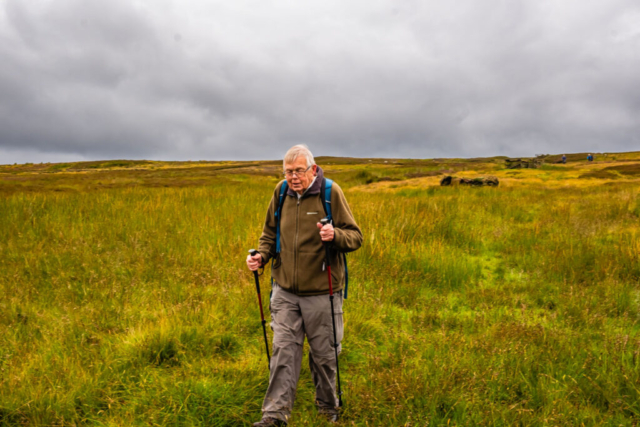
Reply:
x=125, y=300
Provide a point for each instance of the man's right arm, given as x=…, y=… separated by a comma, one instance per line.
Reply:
x=267, y=247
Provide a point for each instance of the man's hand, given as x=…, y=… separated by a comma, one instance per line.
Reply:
x=254, y=262
x=326, y=232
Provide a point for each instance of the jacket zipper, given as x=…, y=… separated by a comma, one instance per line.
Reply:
x=295, y=259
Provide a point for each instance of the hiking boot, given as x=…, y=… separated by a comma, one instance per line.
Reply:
x=269, y=422
x=332, y=418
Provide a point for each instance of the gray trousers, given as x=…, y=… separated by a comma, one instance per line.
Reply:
x=292, y=318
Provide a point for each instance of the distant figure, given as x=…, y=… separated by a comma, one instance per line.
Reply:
x=590, y=158
x=564, y=159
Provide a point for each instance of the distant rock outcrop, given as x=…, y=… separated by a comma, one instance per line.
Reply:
x=524, y=163
x=480, y=181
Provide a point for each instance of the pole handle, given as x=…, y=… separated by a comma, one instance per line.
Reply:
x=325, y=221
x=253, y=252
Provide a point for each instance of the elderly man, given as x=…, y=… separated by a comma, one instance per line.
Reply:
x=300, y=304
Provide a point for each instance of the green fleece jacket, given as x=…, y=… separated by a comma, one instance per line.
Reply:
x=299, y=267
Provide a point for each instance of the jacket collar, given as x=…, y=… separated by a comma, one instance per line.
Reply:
x=315, y=187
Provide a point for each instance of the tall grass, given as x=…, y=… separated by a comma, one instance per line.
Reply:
x=516, y=305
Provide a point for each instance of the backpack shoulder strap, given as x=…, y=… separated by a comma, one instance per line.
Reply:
x=325, y=193
x=278, y=214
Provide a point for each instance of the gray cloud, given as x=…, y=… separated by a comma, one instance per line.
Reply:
x=245, y=80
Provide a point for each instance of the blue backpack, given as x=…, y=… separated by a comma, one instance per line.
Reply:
x=326, y=204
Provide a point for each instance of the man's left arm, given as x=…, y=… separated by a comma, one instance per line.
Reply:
x=347, y=234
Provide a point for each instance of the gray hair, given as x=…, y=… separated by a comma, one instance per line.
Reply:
x=297, y=151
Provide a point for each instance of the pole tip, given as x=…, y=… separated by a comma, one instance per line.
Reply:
x=253, y=252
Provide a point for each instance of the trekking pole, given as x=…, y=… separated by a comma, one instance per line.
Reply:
x=324, y=222
x=253, y=252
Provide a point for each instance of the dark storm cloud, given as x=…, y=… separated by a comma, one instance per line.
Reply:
x=245, y=80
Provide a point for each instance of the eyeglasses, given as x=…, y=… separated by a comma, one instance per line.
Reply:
x=296, y=172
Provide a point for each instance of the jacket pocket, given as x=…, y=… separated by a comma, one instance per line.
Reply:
x=311, y=276
x=283, y=270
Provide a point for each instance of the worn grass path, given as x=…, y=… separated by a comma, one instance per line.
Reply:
x=124, y=298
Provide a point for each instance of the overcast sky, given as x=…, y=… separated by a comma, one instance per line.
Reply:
x=208, y=79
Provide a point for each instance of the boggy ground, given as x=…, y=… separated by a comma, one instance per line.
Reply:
x=124, y=298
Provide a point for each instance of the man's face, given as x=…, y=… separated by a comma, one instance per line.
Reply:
x=299, y=182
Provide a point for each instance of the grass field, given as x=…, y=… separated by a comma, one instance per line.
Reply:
x=125, y=300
